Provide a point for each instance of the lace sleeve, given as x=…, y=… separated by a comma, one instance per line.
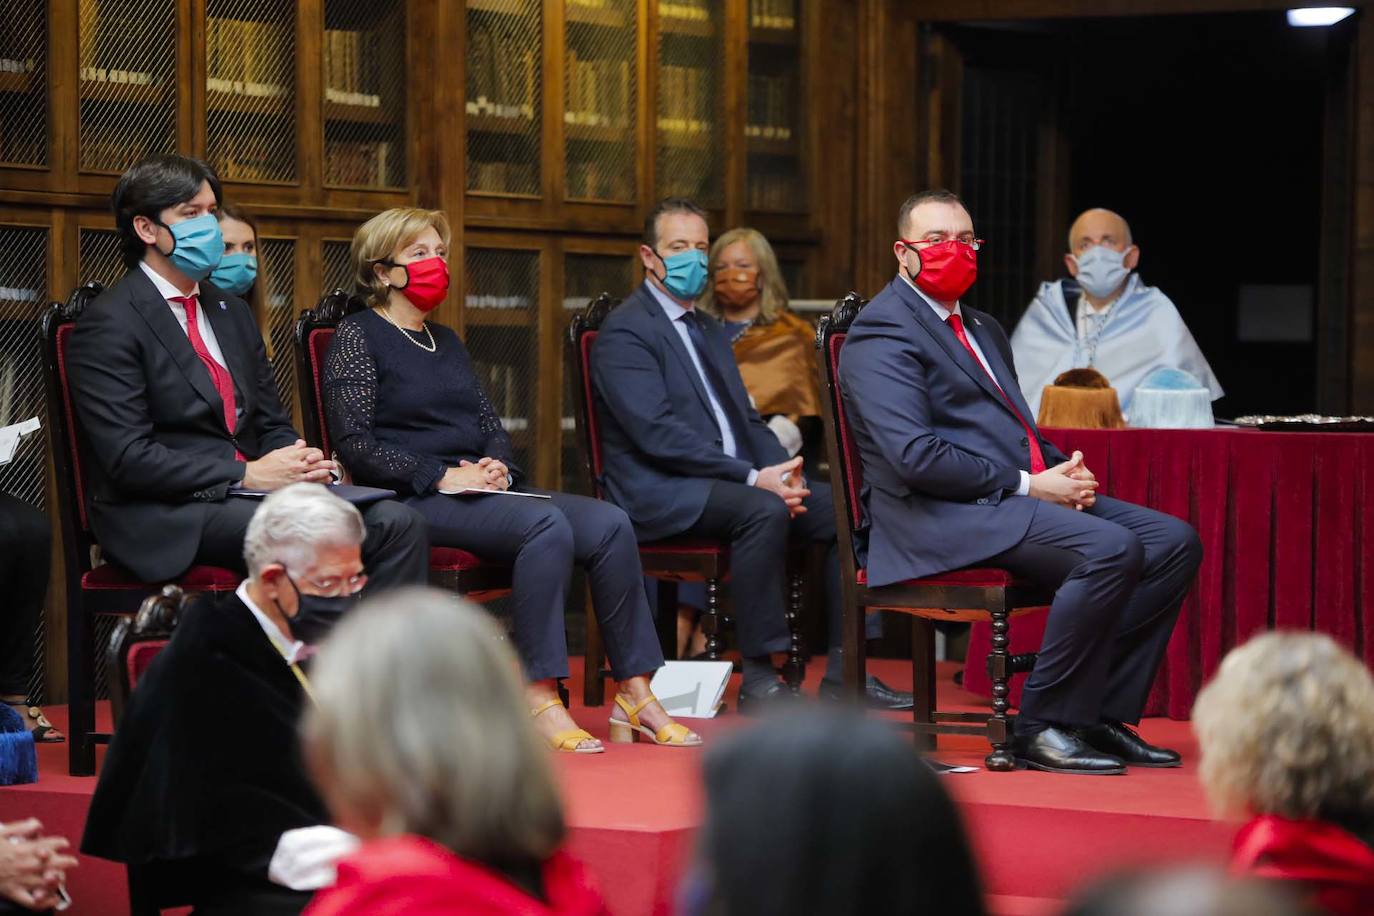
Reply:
x=350, y=403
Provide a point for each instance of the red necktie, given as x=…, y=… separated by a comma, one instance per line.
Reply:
x=219, y=376
x=1037, y=458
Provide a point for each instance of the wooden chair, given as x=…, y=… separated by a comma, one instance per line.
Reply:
x=449, y=568
x=92, y=587
x=963, y=595
x=669, y=561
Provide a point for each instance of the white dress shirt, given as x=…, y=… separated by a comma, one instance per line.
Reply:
x=207, y=330
x=943, y=314
x=289, y=649
x=675, y=311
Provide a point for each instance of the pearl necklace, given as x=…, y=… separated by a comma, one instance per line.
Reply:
x=406, y=333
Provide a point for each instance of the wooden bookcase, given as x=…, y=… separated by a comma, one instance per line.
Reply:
x=545, y=129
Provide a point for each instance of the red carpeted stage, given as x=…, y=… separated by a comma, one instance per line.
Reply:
x=633, y=811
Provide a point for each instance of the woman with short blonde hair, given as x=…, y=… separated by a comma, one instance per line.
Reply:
x=1286, y=730
x=407, y=411
x=420, y=746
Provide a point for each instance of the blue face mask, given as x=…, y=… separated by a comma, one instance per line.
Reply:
x=685, y=273
x=197, y=245
x=1101, y=270
x=235, y=273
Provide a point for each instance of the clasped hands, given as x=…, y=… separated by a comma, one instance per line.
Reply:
x=484, y=474
x=297, y=463
x=787, y=482
x=1066, y=484
x=32, y=866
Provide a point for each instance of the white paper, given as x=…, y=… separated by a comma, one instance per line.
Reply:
x=691, y=690
x=305, y=858
x=474, y=491
x=10, y=436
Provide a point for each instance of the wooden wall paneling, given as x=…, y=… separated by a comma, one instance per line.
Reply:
x=733, y=112
x=63, y=97
x=554, y=171
x=549, y=370
x=1362, y=256
x=833, y=63
x=646, y=142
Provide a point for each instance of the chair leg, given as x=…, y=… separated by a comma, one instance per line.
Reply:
x=923, y=679
x=855, y=649
x=710, y=620
x=795, y=667
x=593, y=682
x=80, y=689
x=667, y=617
x=999, y=726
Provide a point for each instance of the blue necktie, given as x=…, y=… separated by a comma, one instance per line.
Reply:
x=716, y=382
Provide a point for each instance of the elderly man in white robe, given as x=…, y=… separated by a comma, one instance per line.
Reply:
x=1105, y=317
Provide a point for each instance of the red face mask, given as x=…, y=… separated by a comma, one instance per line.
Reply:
x=426, y=282
x=947, y=269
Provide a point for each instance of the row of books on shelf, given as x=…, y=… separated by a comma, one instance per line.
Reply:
x=245, y=88
x=10, y=65
x=502, y=66
x=501, y=382
x=769, y=103
x=772, y=14
x=360, y=99
x=691, y=126
x=685, y=93
x=767, y=132
x=112, y=34
x=115, y=146
x=248, y=51
x=516, y=177
x=19, y=294
x=115, y=75
x=352, y=65
x=359, y=162
x=487, y=108
x=690, y=10
x=488, y=301
x=250, y=156
x=600, y=91
x=599, y=181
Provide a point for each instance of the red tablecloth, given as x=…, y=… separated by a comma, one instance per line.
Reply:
x=1287, y=528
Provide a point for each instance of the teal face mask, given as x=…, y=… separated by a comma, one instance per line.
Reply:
x=235, y=273
x=685, y=273
x=197, y=245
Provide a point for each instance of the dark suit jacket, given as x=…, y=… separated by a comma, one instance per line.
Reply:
x=154, y=423
x=941, y=449
x=660, y=442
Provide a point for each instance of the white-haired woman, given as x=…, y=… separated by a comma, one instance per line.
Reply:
x=419, y=744
x=203, y=779
x=1286, y=730
x=407, y=411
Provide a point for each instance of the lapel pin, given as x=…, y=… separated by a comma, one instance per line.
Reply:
x=222, y=306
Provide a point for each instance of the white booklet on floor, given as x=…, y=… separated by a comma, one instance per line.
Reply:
x=691, y=690
x=10, y=436
x=474, y=491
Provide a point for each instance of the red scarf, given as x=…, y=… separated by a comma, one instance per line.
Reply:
x=415, y=876
x=1337, y=867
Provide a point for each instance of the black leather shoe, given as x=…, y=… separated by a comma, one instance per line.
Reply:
x=877, y=695
x=765, y=699
x=1017, y=664
x=1122, y=741
x=1059, y=750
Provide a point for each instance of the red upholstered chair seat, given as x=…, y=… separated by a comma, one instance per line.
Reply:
x=452, y=559
x=111, y=577
x=683, y=545
x=139, y=656
x=973, y=577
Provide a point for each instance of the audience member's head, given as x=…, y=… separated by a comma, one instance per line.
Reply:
x=745, y=272
x=164, y=209
x=240, y=271
x=303, y=552
x=1287, y=728
x=385, y=246
x=936, y=248
x=1183, y=892
x=420, y=727
x=826, y=813
x=1101, y=254
x=673, y=249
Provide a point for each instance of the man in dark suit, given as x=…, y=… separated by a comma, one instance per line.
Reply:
x=178, y=403
x=686, y=453
x=956, y=474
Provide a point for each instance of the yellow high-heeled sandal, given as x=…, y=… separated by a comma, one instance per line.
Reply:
x=627, y=730
x=569, y=740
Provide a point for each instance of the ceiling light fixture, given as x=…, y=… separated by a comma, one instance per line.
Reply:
x=1319, y=15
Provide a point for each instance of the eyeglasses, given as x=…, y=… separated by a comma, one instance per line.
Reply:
x=337, y=586
x=918, y=244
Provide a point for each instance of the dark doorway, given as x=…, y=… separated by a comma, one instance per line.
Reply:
x=1206, y=132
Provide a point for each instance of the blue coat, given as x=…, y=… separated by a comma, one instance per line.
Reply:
x=661, y=445
x=941, y=449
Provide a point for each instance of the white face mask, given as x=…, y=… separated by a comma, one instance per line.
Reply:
x=1101, y=270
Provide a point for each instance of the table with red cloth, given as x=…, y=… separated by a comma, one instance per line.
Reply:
x=1287, y=527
